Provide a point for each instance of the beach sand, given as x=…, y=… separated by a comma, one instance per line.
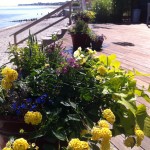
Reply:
x=5, y=37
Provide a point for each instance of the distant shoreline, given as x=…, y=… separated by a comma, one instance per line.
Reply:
x=42, y=4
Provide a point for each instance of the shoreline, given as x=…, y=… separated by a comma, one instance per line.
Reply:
x=6, y=34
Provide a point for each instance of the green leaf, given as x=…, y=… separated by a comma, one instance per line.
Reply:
x=73, y=117
x=1, y=100
x=65, y=104
x=128, y=122
x=141, y=114
x=59, y=135
x=148, y=88
x=138, y=92
x=146, y=97
x=128, y=105
x=147, y=126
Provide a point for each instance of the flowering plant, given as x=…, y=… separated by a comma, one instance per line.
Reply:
x=58, y=95
x=87, y=16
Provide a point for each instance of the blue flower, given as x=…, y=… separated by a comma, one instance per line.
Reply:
x=18, y=112
x=14, y=106
x=33, y=108
x=24, y=106
x=29, y=100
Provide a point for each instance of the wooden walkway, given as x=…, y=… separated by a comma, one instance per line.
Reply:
x=131, y=44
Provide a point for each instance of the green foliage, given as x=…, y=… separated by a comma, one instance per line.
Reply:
x=103, y=10
x=72, y=92
x=86, y=15
x=80, y=27
x=27, y=58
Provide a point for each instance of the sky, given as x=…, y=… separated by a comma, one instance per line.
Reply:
x=15, y=2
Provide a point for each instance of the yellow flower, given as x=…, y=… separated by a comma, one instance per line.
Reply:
x=6, y=84
x=96, y=133
x=98, y=78
x=84, y=145
x=91, y=52
x=74, y=144
x=105, y=145
x=47, y=65
x=7, y=148
x=103, y=124
x=129, y=142
x=106, y=134
x=77, y=53
x=140, y=136
x=20, y=144
x=109, y=116
x=83, y=60
x=21, y=131
x=33, y=117
x=9, y=74
x=101, y=70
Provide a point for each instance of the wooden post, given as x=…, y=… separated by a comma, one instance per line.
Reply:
x=15, y=39
x=83, y=5
x=70, y=7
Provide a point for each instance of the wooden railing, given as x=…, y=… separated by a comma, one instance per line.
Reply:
x=68, y=4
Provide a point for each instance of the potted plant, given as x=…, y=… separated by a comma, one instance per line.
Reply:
x=97, y=41
x=86, y=15
x=56, y=98
x=80, y=34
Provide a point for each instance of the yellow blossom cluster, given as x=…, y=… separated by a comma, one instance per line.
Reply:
x=103, y=133
x=33, y=117
x=18, y=144
x=76, y=144
x=9, y=75
x=103, y=124
x=105, y=145
x=139, y=136
x=109, y=116
x=81, y=57
x=7, y=148
x=131, y=141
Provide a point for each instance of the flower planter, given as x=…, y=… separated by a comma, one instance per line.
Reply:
x=80, y=40
x=97, y=45
x=10, y=126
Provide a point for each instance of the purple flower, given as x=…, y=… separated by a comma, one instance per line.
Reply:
x=64, y=69
x=72, y=63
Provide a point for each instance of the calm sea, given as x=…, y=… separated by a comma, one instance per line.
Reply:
x=10, y=14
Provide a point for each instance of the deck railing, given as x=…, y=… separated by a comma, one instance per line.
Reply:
x=68, y=4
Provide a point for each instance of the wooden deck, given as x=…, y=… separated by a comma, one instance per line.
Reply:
x=131, y=44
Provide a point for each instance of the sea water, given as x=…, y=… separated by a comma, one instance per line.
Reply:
x=10, y=16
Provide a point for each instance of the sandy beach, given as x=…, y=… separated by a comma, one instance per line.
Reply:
x=5, y=37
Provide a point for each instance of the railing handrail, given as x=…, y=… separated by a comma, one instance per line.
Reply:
x=41, y=19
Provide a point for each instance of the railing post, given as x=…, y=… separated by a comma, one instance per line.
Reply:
x=70, y=7
x=15, y=39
